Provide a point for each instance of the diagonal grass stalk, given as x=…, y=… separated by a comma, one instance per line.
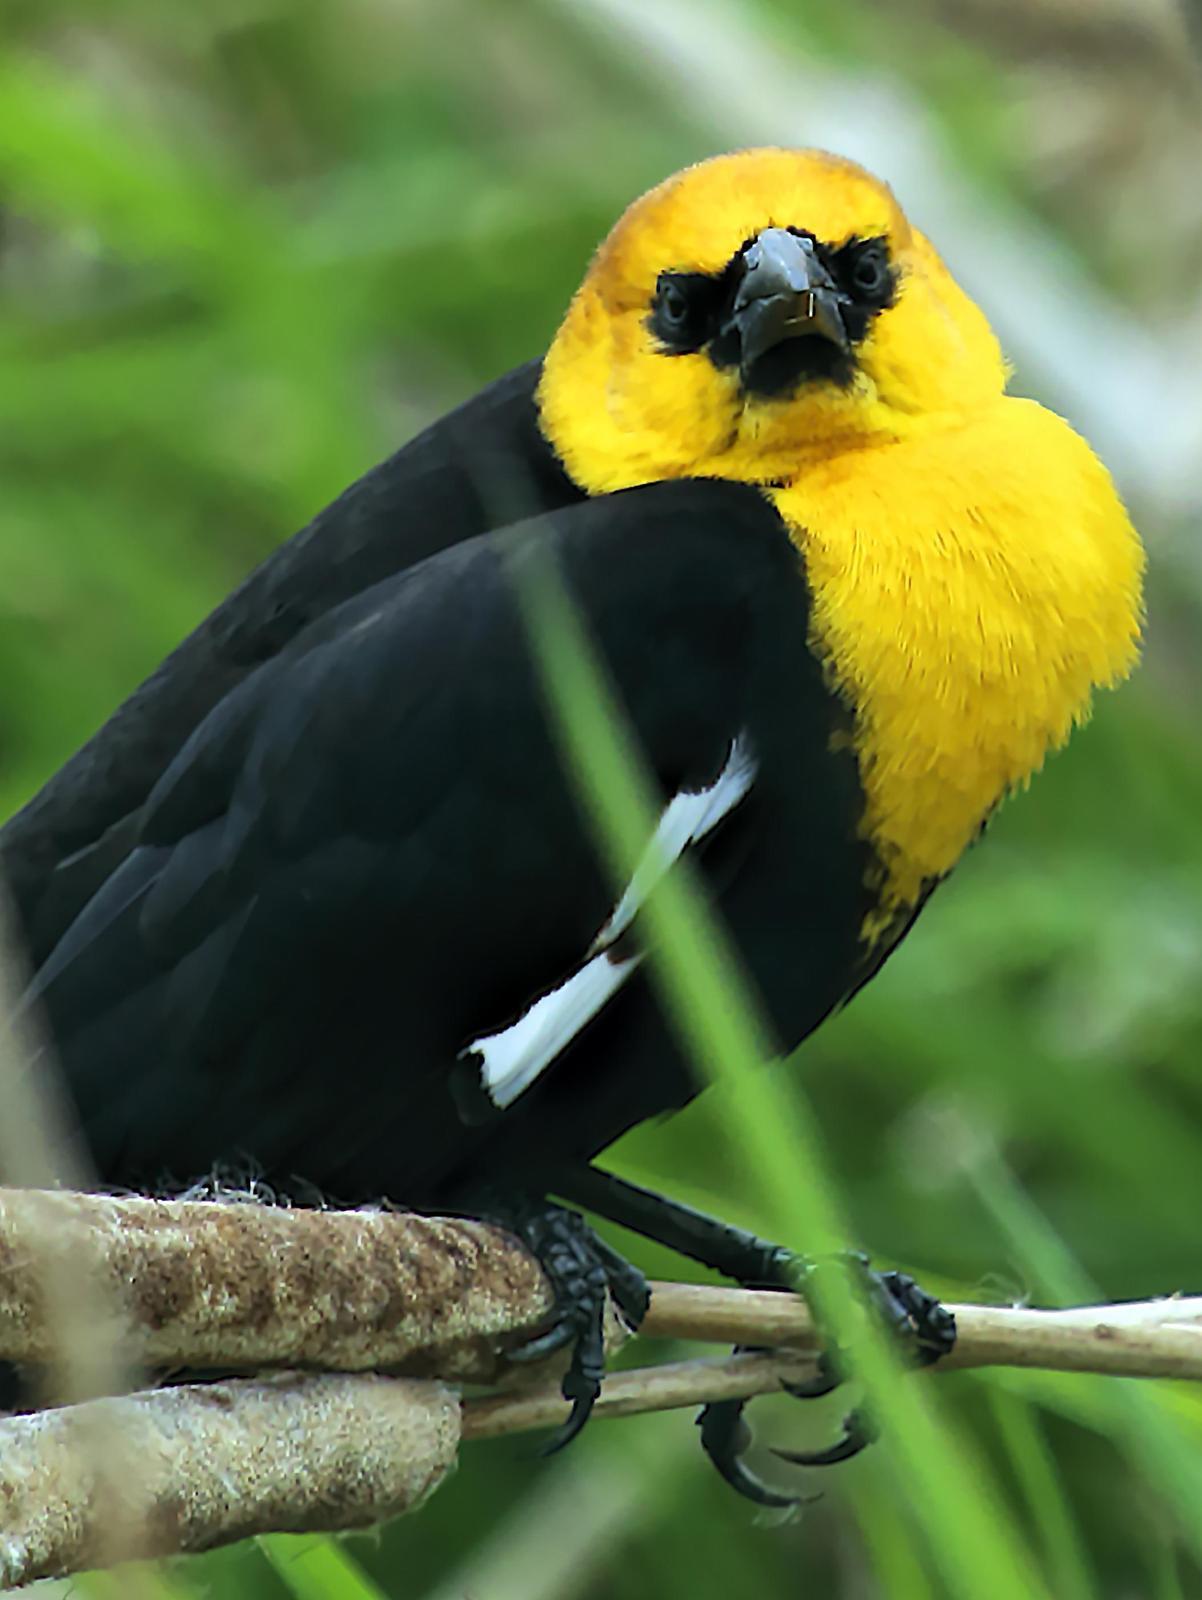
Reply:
x=968, y=1530
x=1142, y=1414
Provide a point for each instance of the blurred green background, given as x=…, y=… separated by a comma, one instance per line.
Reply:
x=247, y=248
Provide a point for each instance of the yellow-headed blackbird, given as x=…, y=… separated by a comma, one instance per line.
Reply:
x=319, y=895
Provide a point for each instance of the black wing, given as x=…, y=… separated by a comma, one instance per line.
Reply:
x=483, y=465
x=367, y=856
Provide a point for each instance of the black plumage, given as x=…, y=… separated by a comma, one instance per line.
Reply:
x=483, y=465
x=319, y=901
x=331, y=842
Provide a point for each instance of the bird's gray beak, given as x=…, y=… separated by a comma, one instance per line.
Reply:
x=785, y=293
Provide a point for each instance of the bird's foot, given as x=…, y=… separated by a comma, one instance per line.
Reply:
x=584, y=1271
x=924, y=1329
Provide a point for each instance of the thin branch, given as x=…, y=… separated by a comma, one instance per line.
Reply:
x=202, y=1465
x=1145, y=1338
x=670, y=1386
x=1139, y=1339
x=206, y=1284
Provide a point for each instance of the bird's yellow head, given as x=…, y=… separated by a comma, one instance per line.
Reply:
x=772, y=317
x=754, y=312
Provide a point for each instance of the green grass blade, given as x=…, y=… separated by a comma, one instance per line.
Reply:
x=968, y=1529
x=1048, y=1506
x=134, y=1580
x=317, y=1568
x=1143, y=1413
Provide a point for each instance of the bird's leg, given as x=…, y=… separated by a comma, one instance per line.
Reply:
x=732, y=1251
x=926, y=1328
x=583, y=1270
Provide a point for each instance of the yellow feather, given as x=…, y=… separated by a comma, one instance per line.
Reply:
x=971, y=588
x=973, y=570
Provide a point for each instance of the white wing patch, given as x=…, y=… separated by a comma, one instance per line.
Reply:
x=513, y=1059
x=686, y=820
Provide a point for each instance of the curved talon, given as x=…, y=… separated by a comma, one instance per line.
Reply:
x=582, y=1409
x=543, y=1344
x=582, y=1381
x=583, y=1270
x=915, y=1318
x=567, y=1431
x=858, y=1431
x=724, y=1438
x=825, y=1381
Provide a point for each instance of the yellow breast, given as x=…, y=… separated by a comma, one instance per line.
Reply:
x=971, y=587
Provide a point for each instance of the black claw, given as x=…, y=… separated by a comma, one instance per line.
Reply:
x=931, y=1324
x=583, y=1270
x=627, y=1284
x=724, y=1437
x=543, y=1344
x=582, y=1381
x=925, y=1329
x=582, y=1410
x=825, y=1381
x=858, y=1431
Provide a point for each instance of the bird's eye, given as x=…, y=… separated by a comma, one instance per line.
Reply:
x=683, y=310
x=870, y=271
x=673, y=306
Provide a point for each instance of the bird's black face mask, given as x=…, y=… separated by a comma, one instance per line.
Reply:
x=785, y=310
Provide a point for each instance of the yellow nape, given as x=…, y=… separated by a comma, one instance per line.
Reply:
x=974, y=574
